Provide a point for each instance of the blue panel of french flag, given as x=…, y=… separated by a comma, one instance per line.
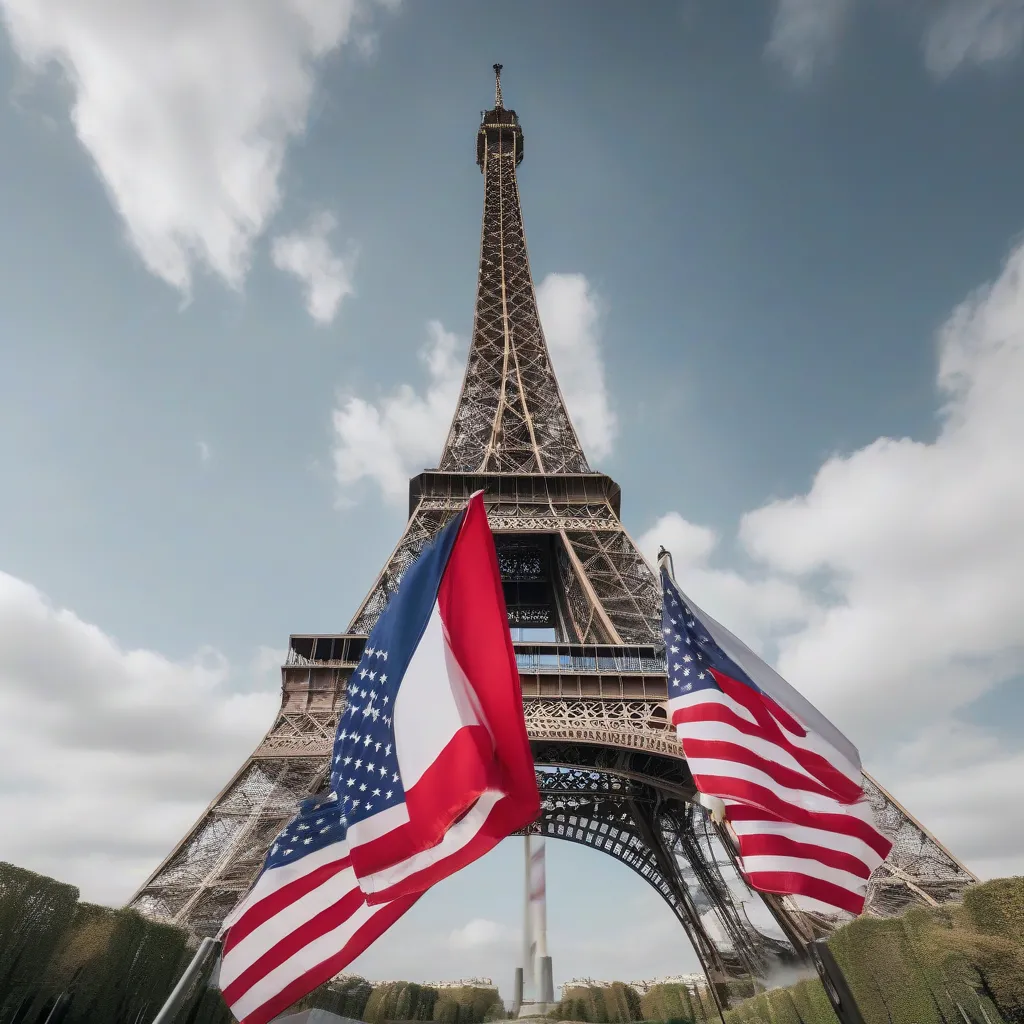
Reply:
x=430, y=768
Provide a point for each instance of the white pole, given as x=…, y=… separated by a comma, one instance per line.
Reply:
x=539, y=895
x=528, y=971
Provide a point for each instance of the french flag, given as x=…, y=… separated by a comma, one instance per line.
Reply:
x=431, y=763
x=431, y=768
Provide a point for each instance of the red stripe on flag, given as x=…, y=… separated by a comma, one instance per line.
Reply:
x=770, y=845
x=842, y=787
x=363, y=938
x=730, y=788
x=789, y=883
x=280, y=899
x=763, y=710
x=723, y=750
x=499, y=824
x=291, y=942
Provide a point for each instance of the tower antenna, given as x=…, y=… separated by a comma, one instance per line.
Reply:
x=498, y=104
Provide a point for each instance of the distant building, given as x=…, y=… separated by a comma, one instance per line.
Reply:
x=461, y=983
x=689, y=980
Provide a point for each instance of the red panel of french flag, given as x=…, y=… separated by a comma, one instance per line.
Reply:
x=431, y=768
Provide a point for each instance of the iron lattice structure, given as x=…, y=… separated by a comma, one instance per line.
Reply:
x=609, y=766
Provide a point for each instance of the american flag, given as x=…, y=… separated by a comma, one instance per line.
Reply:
x=303, y=921
x=431, y=768
x=793, y=794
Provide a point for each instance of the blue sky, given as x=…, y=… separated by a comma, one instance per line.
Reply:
x=238, y=256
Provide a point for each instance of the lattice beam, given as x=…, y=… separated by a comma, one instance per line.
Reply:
x=511, y=416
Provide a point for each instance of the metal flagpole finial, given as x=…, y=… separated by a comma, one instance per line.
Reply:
x=497, y=86
x=665, y=561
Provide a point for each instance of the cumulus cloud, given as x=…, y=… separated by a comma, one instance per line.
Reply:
x=921, y=543
x=325, y=276
x=960, y=780
x=754, y=607
x=205, y=452
x=805, y=34
x=570, y=311
x=186, y=110
x=117, y=751
x=973, y=32
x=899, y=575
x=389, y=440
x=482, y=932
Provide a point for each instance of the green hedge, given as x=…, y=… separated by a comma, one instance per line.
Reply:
x=34, y=912
x=934, y=966
x=930, y=966
x=98, y=965
x=101, y=964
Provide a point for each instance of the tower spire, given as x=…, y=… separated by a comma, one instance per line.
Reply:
x=498, y=104
x=511, y=417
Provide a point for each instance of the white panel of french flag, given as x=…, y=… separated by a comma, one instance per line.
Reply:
x=431, y=768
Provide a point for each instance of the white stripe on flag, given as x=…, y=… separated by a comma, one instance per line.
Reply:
x=267, y=935
x=701, y=698
x=834, y=745
x=303, y=960
x=803, y=866
x=723, y=733
x=455, y=839
x=839, y=841
x=270, y=881
x=818, y=804
x=810, y=742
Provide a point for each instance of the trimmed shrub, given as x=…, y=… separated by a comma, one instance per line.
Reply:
x=34, y=916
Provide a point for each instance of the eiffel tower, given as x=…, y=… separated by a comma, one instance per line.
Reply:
x=584, y=607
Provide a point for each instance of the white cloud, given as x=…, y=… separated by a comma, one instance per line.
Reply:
x=921, y=543
x=205, y=453
x=753, y=608
x=805, y=34
x=118, y=751
x=973, y=32
x=571, y=313
x=480, y=933
x=899, y=572
x=307, y=255
x=186, y=110
x=960, y=780
x=390, y=440
x=264, y=671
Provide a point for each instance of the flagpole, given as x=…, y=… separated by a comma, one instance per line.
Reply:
x=186, y=981
x=528, y=971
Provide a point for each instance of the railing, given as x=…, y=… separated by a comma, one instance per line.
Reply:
x=588, y=658
x=547, y=658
